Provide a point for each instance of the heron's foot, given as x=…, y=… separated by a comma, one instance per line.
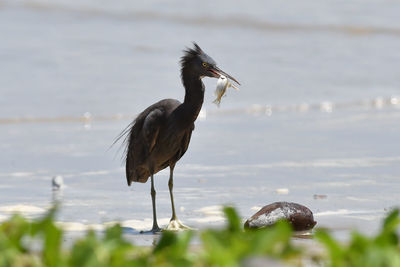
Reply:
x=176, y=225
x=154, y=230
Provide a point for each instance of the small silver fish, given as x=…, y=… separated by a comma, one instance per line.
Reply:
x=222, y=84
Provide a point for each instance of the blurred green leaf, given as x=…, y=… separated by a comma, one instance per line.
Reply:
x=39, y=243
x=234, y=221
x=335, y=250
x=12, y=233
x=172, y=248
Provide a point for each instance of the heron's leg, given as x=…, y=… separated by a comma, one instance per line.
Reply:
x=153, y=200
x=174, y=223
x=171, y=194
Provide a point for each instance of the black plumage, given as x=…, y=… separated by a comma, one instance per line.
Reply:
x=160, y=135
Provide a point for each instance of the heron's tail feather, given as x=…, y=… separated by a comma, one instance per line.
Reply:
x=124, y=136
x=139, y=175
x=136, y=170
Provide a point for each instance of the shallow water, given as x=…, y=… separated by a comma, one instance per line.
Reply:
x=315, y=121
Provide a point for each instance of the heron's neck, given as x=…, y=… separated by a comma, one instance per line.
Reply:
x=194, y=96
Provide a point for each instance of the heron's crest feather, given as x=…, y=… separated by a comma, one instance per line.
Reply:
x=190, y=53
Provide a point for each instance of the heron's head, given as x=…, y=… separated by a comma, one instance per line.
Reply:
x=199, y=64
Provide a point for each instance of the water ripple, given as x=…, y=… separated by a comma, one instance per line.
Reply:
x=255, y=109
x=201, y=21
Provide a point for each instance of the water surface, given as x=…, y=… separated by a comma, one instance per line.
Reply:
x=317, y=114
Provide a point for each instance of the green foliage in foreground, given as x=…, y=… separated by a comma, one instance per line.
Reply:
x=39, y=243
x=381, y=250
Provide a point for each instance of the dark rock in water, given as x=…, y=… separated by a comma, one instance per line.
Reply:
x=299, y=216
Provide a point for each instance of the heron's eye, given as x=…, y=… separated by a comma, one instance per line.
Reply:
x=205, y=65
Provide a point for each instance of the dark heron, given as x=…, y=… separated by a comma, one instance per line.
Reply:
x=160, y=135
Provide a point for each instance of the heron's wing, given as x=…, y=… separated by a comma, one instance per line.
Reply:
x=142, y=140
x=151, y=128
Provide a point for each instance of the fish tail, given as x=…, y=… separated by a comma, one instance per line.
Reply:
x=217, y=102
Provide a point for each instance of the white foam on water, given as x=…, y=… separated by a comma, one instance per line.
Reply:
x=366, y=217
x=143, y=225
x=208, y=219
x=17, y=174
x=282, y=191
x=345, y=212
x=359, y=199
x=215, y=210
x=76, y=226
x=22, y=209
x=137, y=225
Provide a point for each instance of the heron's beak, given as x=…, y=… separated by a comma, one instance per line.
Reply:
x=217, y=72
